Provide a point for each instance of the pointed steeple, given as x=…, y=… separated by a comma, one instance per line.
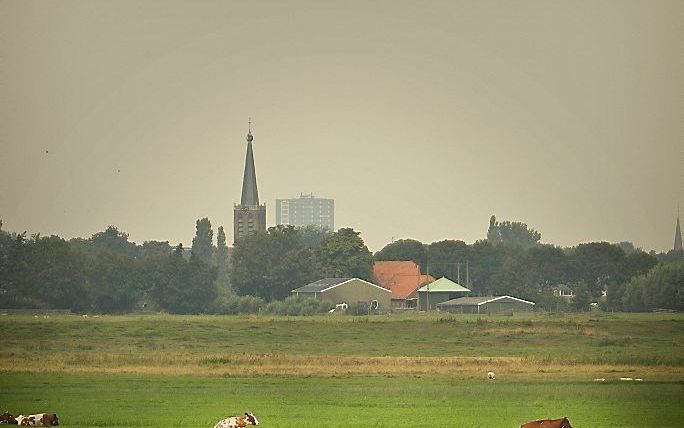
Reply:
x=678, y=235
x=249, y=216
x=250, y=194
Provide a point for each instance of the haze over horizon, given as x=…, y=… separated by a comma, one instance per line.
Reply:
x=420, y=121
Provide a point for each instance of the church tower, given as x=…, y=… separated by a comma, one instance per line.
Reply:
x=678, y=236
x=249, y=216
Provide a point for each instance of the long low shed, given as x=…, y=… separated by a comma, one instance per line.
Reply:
x=486, y=305
x=346, y=290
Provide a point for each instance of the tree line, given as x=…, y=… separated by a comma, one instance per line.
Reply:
x=108, y=273
x=512, y=261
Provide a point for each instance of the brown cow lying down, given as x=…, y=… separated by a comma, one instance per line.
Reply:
x=548, y=423
x=38, y=420
x=8, y=418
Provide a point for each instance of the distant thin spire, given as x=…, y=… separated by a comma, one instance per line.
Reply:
x=678, y=235
x=250, y=193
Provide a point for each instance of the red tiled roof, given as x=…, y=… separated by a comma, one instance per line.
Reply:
x=402, y=278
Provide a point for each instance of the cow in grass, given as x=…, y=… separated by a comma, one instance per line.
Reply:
x=237, y=421
x=8, y=418
x=38, y=420
x=548, y=423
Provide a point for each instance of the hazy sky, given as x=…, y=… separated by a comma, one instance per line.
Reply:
x=421, y=119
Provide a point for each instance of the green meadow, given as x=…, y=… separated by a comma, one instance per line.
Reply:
x=173, y=401
x=426, y=370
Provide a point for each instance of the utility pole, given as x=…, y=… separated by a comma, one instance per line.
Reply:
x=467, y=276
x=427, y=287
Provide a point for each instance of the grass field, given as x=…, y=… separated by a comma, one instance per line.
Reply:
x=179, y=401
x=386, y=371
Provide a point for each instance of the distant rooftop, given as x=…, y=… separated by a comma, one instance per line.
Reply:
x=477, y=301
x=402, y=278
x=322, y=284
x=443, y=284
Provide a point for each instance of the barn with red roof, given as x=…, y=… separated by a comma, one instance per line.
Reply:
x=403, y=279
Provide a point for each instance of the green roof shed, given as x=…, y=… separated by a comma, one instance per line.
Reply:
x=439, y=291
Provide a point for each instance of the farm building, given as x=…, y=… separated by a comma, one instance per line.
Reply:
x=346, y=290
x=439, y=291
x=486, y=305
x=563, y=291
x=402, y=278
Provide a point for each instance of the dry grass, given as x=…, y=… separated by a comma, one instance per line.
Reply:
x=446, y=346
x=240, y=365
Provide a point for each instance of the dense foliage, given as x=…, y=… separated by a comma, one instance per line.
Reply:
x=272, y=263
x=512, y=262
x=107, y=273
x=660, y=288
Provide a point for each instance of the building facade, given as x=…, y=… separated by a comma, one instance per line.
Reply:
x=248, y=216
x=305, y=211
x=506, y=305
x=347, y=290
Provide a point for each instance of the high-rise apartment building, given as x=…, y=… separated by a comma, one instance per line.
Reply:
x=306, y=210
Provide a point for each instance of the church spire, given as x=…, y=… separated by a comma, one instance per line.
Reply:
x=678, y=235
x=250, y=194
x=249, y=216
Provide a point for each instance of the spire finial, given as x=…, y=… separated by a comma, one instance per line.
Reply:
x=249, y=132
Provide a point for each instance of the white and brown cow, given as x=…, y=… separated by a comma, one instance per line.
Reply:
x=237, y=421
x=38, y=420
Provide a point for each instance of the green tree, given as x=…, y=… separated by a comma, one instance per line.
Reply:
x=12, y=264
x=112, y=286
x=221, y=263
x=635, y=264
x=581, y=297
x=40, y=272
x=634, y=297
x=112, y=241
x=660, y=288
x=155, y=249
x=614, y=296
x=55, y=273
x=515, y=234
x=628, y=247
x=202, y=243
x=270, y=264
x=597, y=264
x=221, y=248
x=312, y=235
x=493, y=233
x=185, y=286
x=518, y=234
x=449, y=258
x=486, y=259
x=550, y=263
x=343, y=254
x=404, y=250
x=515, y=277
